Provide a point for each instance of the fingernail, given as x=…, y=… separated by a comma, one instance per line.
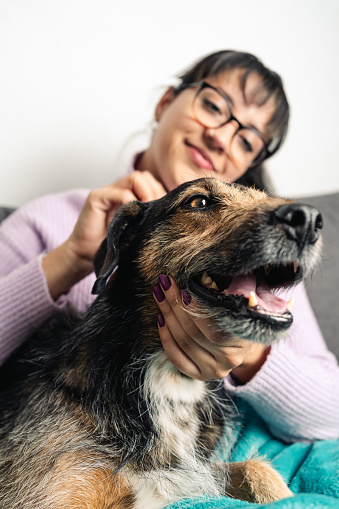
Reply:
x=158, y=294
x=186, y=297
x=161, y=320
x=165, y=282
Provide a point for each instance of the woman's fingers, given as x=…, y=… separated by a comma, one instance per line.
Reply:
x=101, y=206
x=179, y=307
x=175, y=354
x=195, y=345
x=143, y=186
x=183, y=342
x=176, y=316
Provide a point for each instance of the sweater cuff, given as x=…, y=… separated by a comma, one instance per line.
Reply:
x=268, y=379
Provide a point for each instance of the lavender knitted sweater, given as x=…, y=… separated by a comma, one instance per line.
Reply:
x=295, y=391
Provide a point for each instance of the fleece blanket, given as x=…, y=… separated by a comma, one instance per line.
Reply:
x=311, y=469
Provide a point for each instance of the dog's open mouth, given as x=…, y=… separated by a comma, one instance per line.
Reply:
x=251, y=294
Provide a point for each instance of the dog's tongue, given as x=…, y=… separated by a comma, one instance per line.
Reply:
x=243, y=285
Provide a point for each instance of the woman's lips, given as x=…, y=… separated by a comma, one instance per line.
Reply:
x=200, y=157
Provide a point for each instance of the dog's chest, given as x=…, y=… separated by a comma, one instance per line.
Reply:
x=173, y=401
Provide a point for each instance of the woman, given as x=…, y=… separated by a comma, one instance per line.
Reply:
x=226, y=117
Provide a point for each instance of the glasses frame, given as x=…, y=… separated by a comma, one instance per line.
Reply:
x=264, y=154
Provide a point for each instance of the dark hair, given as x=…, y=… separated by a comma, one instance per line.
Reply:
x=271, y=87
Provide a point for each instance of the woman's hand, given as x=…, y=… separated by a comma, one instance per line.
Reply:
x=73, y=260
x=194, y=344
x=100, y=207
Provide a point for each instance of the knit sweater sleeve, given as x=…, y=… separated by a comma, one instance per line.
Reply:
x=296, y=390
x=25, y=237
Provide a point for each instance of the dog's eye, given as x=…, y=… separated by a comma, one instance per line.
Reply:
x=198, y=202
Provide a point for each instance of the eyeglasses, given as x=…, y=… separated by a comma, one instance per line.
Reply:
x=212, y=109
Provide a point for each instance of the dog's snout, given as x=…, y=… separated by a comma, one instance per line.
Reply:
x=301, y=222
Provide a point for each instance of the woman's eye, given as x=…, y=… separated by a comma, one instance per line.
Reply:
x=211, y=106
x=246, y=145
x=199, y=202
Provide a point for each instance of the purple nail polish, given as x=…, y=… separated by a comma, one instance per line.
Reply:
x=165, y=282
x=161, y=320
x=186, y=297
x=158, y=294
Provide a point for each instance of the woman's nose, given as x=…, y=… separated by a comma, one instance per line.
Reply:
x=220, y=137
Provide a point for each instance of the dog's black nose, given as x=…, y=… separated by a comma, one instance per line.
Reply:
x=301, y=222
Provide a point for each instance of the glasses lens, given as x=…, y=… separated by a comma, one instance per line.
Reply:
x=210, y=108
x=247, y=147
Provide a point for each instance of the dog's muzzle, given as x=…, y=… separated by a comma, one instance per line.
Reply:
x=249, y=294
x=301, y=222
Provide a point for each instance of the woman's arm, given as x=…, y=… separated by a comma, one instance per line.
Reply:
x=25, y=238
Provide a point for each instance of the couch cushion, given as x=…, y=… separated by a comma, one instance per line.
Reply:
x=323, y=288
x=4, y=212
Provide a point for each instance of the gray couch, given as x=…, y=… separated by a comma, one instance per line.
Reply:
x=323, y=288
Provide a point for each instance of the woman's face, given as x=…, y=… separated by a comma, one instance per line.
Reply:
x=183, y=150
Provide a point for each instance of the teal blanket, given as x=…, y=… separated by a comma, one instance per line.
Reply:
x=311, y=470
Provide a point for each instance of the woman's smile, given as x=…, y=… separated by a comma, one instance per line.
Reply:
x=200, y=156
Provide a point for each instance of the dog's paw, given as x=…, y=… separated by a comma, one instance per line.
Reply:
x=256, y=481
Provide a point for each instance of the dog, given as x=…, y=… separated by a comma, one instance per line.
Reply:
x=92, y=413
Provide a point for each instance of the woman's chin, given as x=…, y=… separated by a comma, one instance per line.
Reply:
x=186, y=175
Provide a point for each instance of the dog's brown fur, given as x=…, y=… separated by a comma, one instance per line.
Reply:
x=93, y=415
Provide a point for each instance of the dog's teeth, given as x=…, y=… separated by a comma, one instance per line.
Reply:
x=290, y=304
x=203, y=277
x=252, y=301
x=295, y=267
x=214, y=286
x=206, y=279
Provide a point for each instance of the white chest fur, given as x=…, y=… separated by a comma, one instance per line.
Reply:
x=172, y=401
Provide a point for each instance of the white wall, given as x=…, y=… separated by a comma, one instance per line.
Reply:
x=78, y=77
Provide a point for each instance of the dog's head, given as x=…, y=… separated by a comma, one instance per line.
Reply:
x=230, y=246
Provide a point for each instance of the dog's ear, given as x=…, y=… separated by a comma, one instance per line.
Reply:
x=120, y=232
